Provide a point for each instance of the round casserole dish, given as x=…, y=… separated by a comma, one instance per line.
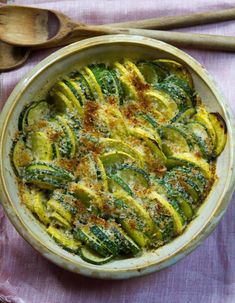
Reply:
x=35, y=85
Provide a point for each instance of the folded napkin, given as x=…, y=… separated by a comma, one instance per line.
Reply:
x=208, y=274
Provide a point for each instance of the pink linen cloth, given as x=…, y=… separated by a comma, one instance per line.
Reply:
x=208, y=274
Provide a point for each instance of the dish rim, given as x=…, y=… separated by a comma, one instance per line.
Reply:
x=36, y=242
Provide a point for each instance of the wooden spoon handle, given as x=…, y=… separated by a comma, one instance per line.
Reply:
x=180, y=21
x=202, y=41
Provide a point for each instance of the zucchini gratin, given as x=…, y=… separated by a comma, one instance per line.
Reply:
x=118, y=158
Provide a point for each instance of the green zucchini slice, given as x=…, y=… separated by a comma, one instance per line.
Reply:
x=116, y=183
x=41, y=147
x=151, y=72
x=220, y=129
x=175, y=92
x=20, y=155
x=59, y=208
x=186, y=159
x=63, y=90
x=137, y=222
x=202, y=138
x=128, y=88
x=64, y=238
x=92, y=257
x=68, y=142
x=93, y=84
x=174, y=140
x=107, y=81
x=84, y=234
x=175, y=68
x=171, y=209
x=40, y=207
x=105, y=238
x=184, y=115
x=36, y=112
x=202, y=116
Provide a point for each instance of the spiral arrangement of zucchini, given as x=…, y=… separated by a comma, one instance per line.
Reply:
x=118, y=158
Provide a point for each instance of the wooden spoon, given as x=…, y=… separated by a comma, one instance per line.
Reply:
x=28, y=26
x=12, y=56
x=43, y=28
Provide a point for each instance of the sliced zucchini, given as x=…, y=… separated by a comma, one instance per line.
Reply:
x=59, y=208
x=40, y=207
x=174, y=140
x=202, y=138
x=83, y=84
x=116, y=157
x=144, y=132
x=41, y=146
x=61, y=102
x=116, y=183
x=137, y=222
x=176, y=93
x=151, y=72
x=125, y=243
x=173, y=67
x=84, y=234
x=92, y=257
x=93, y=84
x=20, y=155
x=43, y=181
x=77, y=101
x=67, y=90
x=183, y=84
x=187, y=159
x=178, y=220
x=75, y=87
x=183, y=203
x=64, y=238
x=49, y=168
x=68, y=142
x=193, y=173
x=135, y=75
x=118, y=85
x=150, y=121
x=57, y=219
x=128, y=87
x=85, y=195
x=163, y=102
x=36, y=112
x=184, y=115
x=152, y=141
x=202, y=117
x=106, y=81
x=46, y=176
x=22, y=118
x=133, y=175
x=163, y=220
x=220, y=129
x=108, y=241
x=184, y=182
x=119, y=145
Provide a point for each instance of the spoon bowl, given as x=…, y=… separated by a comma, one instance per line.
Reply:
x=31, y=26
x=12, y=56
